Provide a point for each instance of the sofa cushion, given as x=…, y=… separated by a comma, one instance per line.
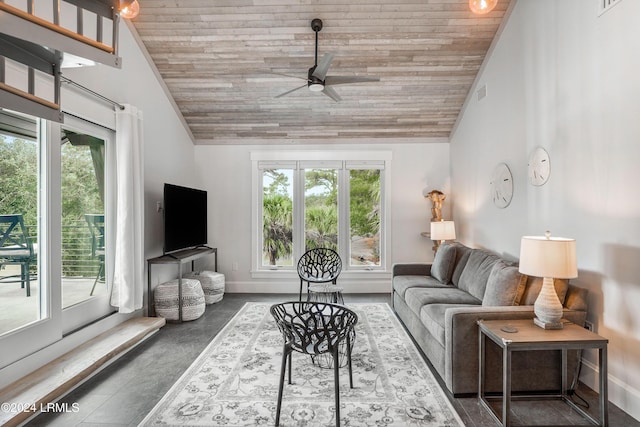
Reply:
x=402, y=283
x=433, y=318
x=505, y=285
x=462, y=256
x=416, y=298
x=476, y=272
x=534, y=285
x=443, y=263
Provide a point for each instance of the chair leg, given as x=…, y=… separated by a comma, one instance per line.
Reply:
x=336, y=378
x=100, y=272
x=290, y=367
x=24, y=278
x=300, y=296
x=286, y=353
x=349, y=360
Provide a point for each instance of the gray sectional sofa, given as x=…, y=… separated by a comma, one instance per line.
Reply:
x=440, y=304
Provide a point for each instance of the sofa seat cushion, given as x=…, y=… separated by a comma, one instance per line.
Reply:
x=476, y=272
x=433, y=316
x=402, y=283
x=416, y=298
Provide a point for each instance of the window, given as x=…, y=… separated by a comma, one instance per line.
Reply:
x=308, y=200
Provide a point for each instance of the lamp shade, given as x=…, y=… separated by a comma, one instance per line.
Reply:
x=546, y=256
x=481, y=7
x=443, y=230
x=129, y=9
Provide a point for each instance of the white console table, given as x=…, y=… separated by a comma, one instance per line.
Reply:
x=178, y=258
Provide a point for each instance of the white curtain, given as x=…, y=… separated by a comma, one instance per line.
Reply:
x=128, y=264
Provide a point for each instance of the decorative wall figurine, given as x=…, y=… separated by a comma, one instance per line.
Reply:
x=436, y=197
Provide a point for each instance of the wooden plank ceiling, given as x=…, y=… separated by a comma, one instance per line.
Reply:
x=220, y=59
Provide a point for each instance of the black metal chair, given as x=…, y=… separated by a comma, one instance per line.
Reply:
x=96, y=228
x=319, y=265
x=314, y=328
x=16, y=247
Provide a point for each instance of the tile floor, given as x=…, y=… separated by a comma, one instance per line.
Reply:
x=123, y=393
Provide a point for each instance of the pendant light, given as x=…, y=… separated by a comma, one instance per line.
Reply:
x=129, y=9
x=481, y=7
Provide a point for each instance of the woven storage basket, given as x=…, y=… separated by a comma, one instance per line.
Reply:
x=165, y=298
x=212, y=284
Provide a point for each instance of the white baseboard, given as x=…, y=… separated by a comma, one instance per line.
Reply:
x=621, y=394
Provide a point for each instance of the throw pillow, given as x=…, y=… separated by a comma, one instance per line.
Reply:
x=476, y=272
x=443, y=263
x=505, y=285
x=534, y=285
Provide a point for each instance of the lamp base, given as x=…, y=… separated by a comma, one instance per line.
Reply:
x=547, y=325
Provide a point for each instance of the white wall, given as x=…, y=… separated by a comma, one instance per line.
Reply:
x=226, y=173
x=565, y=79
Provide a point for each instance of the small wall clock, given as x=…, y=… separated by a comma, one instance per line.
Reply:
x=502, y=186
x=539, y=166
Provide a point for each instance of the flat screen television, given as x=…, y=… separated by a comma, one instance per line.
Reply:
x=185, y=218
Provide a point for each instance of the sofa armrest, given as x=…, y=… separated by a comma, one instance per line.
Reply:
x=462, y=334
x=416, y=269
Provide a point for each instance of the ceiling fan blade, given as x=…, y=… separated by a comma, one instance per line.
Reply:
x=338, y=80
x=322, y=68
x=289, y=75
x=331, y=93
x=289, y=91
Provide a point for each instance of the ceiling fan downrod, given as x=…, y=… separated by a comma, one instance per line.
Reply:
x=316, y=25
x=314, y=83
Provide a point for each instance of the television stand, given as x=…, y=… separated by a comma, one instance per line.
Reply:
x=178, y=258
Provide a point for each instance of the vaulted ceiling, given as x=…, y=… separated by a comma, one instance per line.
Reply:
x=223, y=60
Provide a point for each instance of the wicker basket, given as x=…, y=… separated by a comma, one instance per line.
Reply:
x=165, y=298
x=212, y=284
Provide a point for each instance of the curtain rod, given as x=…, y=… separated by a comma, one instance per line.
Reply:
x=97, y=95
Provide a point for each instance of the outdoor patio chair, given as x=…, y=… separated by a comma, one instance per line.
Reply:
x=314, y=328
x=16, y=247
x=96, y=228
x=319, y=265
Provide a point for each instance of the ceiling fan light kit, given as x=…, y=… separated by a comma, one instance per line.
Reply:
x=317, y=79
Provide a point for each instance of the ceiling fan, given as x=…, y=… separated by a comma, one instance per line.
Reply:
x=317, y=79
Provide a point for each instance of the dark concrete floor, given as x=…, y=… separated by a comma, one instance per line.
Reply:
x=124, y=392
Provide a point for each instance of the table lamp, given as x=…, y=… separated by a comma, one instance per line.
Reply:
x=443, y=230
x=550, y=258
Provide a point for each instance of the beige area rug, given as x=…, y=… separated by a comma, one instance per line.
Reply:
x=234, y=382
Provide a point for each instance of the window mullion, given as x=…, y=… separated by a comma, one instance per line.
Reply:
x=343, y=217
x=298, y=214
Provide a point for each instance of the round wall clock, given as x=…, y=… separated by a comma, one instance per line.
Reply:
x=539, y=166
x=502, y=186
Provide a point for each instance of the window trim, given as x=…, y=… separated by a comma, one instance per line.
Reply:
x=370, y=159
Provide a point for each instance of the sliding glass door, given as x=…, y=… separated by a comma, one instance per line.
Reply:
x=54, y=219
x=85, y=158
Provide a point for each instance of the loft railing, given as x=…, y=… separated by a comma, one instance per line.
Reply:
x=38, y=41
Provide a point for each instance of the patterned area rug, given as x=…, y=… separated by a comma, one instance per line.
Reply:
x=234, y=382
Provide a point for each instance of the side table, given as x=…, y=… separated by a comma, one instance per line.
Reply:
x=529, y=337
x=326, y=292
x=177, y=258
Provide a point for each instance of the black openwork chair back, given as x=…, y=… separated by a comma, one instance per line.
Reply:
x=319, y=265
x=16, y=247
x=314, y=328
x=96, y=228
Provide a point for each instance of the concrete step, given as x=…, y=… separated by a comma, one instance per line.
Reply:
x=47, y=384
